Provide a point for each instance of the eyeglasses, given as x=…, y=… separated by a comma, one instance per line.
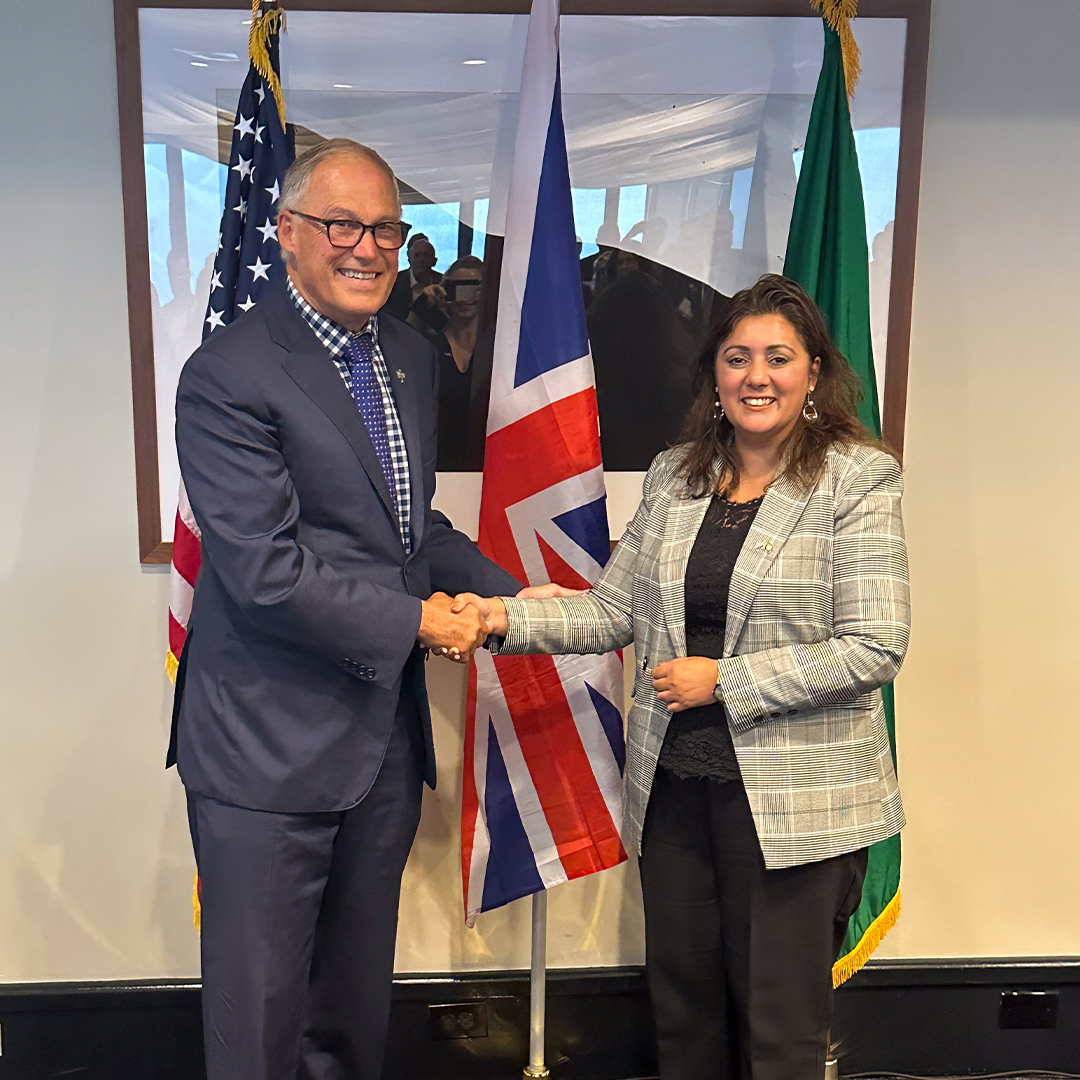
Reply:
x=343, y=233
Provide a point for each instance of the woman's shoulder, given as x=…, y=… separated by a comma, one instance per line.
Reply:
x=847, y=462
x=666, y=468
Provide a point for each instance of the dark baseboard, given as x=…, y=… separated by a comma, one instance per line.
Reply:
x=915, y=1017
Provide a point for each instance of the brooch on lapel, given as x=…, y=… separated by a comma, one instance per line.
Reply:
x=400, y=374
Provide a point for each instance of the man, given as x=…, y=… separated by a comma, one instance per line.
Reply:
x=414, y=279
x=307, y=438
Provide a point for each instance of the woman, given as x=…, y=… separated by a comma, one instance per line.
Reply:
x=457, y=298
x=763, y=581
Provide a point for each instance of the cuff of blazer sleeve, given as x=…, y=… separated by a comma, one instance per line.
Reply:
x=516, y=641
x=398, y=638
x=745, y=706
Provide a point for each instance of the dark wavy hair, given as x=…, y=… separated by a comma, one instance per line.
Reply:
x=837, y=393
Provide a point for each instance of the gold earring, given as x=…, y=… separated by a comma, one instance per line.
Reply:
x=810, y=413
x=719, y=407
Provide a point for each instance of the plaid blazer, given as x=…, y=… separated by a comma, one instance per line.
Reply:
x=817, y=622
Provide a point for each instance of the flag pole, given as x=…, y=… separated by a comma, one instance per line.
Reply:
x=537, y=987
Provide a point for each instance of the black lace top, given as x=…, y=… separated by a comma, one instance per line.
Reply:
x=698, y=741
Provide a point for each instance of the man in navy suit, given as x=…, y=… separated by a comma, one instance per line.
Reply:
x=307, y=443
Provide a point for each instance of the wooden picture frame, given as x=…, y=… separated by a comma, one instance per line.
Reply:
x=153, y=547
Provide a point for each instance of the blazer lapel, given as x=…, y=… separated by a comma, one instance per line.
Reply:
x=403, y=384
x=684, y=517
x=784, y=502
x=311, y=368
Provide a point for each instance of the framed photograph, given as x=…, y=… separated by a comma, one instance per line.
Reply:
x=685, y=121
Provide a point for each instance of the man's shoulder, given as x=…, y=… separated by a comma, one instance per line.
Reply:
x=400, y=338
x=246, y=341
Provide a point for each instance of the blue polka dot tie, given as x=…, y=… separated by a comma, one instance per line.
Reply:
x=367, y=394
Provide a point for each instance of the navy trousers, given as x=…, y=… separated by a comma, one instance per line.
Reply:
x=299, y=919
x=738, y=958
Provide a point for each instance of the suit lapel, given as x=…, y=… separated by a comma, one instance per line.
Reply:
x=781, y=508
x=403, y=379
x=684, y=518
x=309, y=365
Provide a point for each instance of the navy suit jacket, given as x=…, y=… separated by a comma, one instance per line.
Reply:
x=306, y=609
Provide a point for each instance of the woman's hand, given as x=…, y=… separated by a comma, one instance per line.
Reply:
x=546, y=592
x=491, y=608
x=435, y=297
x=685, y=682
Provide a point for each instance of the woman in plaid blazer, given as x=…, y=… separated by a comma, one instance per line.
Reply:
x=751, y=869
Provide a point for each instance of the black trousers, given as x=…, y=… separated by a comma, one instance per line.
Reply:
x=738, y=958
x=299, y=919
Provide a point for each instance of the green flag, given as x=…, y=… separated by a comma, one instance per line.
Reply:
x=827, y=255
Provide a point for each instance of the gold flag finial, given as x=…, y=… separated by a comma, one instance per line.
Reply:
x=266, y=19
x=838, y=14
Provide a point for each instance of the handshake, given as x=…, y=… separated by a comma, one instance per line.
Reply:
x=457, y=626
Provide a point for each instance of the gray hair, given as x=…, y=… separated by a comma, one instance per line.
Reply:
x=299, y=174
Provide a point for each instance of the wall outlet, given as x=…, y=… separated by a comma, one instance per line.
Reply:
x=467, y=1020
x=1028, y=1009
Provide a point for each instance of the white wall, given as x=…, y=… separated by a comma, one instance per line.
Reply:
x=95, y=867
x=94, y=871
x=987, y=705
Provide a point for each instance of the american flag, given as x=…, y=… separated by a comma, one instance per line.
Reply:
x=544, y=753
x=248, y=262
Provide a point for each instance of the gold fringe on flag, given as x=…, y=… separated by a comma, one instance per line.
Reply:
x=171, y=664
x=196, y=906
x=848, y=964
x=263, y=24
x=838, y=14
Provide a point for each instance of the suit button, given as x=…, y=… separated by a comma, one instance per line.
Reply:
x=369, y=673
x=792, y=712
x=775, y=715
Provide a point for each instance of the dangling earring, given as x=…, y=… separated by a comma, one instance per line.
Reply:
x=719, y=407
x=810, y=414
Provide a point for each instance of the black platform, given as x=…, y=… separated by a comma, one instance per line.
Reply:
x=912, y=1018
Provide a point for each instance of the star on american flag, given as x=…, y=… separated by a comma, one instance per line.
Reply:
x=249, y=258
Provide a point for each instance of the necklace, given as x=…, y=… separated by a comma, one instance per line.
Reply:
x=734, y=515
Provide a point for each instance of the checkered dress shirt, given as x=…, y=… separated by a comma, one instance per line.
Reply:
x=335, y=339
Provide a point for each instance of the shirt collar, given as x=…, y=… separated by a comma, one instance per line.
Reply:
x=332, y=335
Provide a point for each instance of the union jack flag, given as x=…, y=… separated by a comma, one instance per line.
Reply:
x=248, y=262
x=544, y=752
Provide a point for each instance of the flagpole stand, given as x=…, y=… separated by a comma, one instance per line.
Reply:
x=537, y=987
x=832, y=1062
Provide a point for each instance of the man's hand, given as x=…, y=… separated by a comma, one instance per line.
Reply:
x=685, y=682
x=456, y=634
x=491, y=609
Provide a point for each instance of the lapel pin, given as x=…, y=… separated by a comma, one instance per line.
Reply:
x=400, y=374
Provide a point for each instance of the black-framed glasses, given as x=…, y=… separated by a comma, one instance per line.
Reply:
x=344, y=233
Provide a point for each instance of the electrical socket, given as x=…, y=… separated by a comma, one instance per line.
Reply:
x=466, y=1020
x=1028, y=1009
